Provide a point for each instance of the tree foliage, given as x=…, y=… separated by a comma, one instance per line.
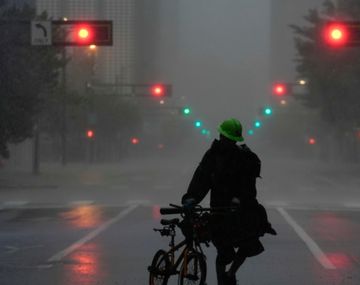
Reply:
x=332, y=73
x=27, y=74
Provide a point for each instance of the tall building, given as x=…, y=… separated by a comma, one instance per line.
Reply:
x=115, y=63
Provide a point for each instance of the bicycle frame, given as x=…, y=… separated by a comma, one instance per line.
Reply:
x=189, y=245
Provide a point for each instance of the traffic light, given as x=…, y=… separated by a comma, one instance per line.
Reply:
x=336, y=34
x=90, y=134
x=280, y=89
x=186, y=111
x=257, y=124
x=312, y=141
x=250, y=132
x=160, y=90
x=135, y=140
x=157, y=90
x=205, y=132
x=82, y=33
x=198, y=124
x=341, y=33
x=267, y=111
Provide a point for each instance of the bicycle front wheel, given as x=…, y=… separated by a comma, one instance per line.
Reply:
x=159, y=269
x=193, y=271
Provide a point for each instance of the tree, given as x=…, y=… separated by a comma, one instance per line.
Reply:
x=27, y=73
x=332, y=73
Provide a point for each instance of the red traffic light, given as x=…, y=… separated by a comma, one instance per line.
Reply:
x=90, y=134
x=84, y=34
x=279, y=89
x=312, y=141
x=157, y=90
x=336, y=34
x=135, y=141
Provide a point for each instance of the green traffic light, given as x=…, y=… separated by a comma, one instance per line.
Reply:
x=257, y=124
x=250, y=132
x=198, y=124
x=186, y=111
x=204, y=132
x=268, y=111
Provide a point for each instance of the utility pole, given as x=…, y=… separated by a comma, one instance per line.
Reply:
x=63, y=108
x=36, y=161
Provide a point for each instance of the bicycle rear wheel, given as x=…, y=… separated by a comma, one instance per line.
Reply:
x=159, y=269
x=194, y=271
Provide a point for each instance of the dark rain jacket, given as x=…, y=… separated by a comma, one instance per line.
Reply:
x=229, y=171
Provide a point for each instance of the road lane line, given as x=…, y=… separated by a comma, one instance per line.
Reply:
x=14, y=204
x=81, y=203
x=311, y=244
x=60, y=255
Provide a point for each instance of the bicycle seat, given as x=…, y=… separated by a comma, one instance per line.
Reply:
x=169, y=222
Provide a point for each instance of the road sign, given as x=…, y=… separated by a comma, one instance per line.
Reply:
x=41, y=33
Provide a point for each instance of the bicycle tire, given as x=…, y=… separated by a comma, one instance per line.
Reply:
x=159, y=268
x=194, y=272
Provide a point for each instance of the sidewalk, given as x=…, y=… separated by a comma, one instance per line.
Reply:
x=54, y=175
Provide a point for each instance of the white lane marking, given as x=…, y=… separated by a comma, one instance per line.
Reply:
x=276, y=203
x=138, y=202
x=352, y=205
x=60, y=255
x=9, y=204
x=311, y=244
x=81, y=203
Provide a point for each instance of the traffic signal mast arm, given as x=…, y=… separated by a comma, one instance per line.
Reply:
x=157, y=90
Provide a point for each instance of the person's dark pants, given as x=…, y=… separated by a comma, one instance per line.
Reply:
x=225, y=255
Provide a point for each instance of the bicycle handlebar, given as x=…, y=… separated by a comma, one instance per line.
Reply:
x=169, y=211
x=196, y=209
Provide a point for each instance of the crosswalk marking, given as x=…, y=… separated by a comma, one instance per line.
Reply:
x=61, y=254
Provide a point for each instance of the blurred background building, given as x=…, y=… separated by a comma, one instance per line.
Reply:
x=115, y=63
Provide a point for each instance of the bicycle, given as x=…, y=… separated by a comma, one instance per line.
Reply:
x=190, y=265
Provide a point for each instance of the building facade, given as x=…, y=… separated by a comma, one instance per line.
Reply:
x=114, y=63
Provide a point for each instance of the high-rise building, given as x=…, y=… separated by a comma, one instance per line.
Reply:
x=115, y=63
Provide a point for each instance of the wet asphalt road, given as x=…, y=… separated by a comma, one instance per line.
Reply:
x=97, y=229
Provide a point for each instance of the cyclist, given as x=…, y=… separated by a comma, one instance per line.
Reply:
x=229, y=170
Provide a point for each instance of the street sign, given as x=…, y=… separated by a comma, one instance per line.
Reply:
x=41, y=34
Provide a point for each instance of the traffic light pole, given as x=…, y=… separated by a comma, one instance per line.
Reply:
x=63, y=109
x=36, y=160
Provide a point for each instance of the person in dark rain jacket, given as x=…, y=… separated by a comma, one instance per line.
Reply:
x=229, y=172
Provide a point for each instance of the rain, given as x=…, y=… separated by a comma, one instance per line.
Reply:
x=111, y=110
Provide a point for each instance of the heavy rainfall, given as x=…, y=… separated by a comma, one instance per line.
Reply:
x=107, y=108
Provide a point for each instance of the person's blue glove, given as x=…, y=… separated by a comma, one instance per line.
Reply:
x=189, y=203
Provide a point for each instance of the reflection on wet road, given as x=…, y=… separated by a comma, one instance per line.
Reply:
x=99, y=245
